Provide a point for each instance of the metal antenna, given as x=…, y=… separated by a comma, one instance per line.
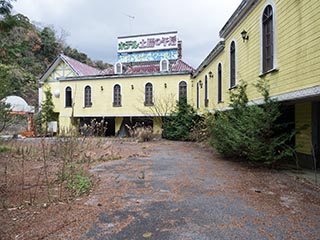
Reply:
x=131, y=22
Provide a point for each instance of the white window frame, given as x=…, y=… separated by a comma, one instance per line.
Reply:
x=152, y=104
x=219, y=63
x=84, y=95
x=178, y=94
x=65, y=96
x=116, y=68
x=235, y=64
x=275, y=43
x=113, y=93
x=167, y=65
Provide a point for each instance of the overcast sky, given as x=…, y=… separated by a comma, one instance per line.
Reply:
x=93, y=26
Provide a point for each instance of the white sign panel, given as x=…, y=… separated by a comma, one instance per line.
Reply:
x=150, y=42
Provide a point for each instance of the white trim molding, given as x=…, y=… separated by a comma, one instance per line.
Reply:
x=275, y=43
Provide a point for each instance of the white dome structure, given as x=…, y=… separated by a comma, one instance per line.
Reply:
x=18, y=104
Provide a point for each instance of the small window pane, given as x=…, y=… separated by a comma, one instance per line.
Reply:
x=267, y=41
x=68, y=97
x=87, y=96
x=183, y=91
x=117, y=96
x=148, y=94
x=232, y=65
x=219, y=83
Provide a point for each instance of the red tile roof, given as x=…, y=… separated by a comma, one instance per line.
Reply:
x=80, y=68
x=149, y=67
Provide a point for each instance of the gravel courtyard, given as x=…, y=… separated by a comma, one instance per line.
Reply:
x=179, y=190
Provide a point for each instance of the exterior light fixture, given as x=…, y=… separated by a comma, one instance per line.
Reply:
x=132, y=87
x=200, y=83
x=101, y=88
x=244, y=35
x=210, y=75
x=165, y=85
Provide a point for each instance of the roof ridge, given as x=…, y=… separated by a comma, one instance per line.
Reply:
x=69, y=60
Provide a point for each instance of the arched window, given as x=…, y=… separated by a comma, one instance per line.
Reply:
x=219, y=83
x=148, y=95
x=118, y=68
x=87, y=96
x=267, y=39
x=206, y=99
x=117, y=95
x=183, y=91
x=198, y=95
x=232, y=64
x=68, y=98
x=164, y=65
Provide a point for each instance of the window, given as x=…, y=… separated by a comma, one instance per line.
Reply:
x=206, y=100
x=232, y=64
x=148, y=100
x=68, y=95
x=118, y=68
x=198, y=95
x=164, y=65
x=267, y=39
x=219, y=83
x=87, y=96
x=183, y=91
x=117, y=95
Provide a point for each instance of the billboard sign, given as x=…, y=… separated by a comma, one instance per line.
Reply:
x=171, y=54
x=149, y=42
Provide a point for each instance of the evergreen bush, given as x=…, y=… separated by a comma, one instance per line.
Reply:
x=251, y=132
x=179, y=124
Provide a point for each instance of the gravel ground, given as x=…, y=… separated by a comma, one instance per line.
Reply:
x=186, y=191
x=177, y=190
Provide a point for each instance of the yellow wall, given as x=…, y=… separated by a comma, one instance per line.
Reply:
x=132, y=99
x=303, y=121
x=298, y=51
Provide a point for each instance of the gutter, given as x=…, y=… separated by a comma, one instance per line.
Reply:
x=211, y=56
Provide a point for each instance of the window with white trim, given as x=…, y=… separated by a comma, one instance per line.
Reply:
x=182, y=91
x=198, y=95
x=232, y=64
x=117, y=95
x=164, y=65
x=267, y=39
x=87, y=96
x=219, y=83
x=148, y=95
x=118, y=68
x=68, y=95
x=206, y=99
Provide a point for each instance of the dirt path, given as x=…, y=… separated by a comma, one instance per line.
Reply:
x=177, y=190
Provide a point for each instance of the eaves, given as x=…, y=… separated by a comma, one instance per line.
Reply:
x=122, y=76
x=211, y=56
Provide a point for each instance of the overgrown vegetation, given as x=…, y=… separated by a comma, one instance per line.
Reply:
x=140, y=132
x=251, y=132
x=40, y=173
x=181, y=121
x=5, y=116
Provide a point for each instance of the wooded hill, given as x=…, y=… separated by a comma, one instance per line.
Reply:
x=26, y=50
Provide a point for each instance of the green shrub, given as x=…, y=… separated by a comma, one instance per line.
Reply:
x=179, y=124
x=5, y=149
x=79, y=183
x=251, y=132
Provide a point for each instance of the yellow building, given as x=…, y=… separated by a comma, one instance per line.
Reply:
x=141, y=88
x=274, y=40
